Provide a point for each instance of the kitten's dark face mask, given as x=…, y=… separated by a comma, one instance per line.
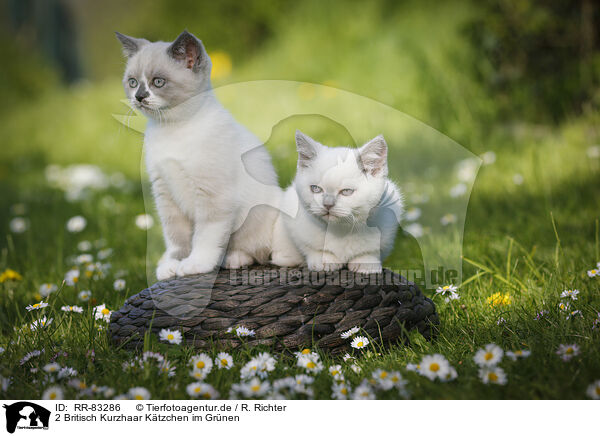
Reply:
x=161, y=79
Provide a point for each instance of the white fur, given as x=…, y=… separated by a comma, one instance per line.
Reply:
x=212, y=180
x=343, y=235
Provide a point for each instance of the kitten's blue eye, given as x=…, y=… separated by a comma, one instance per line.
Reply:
x=316, y=189
x=347, y=191
x=133, y=83
x=159, y=82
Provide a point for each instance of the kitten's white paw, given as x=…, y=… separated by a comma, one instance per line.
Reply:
x=237, y=259
x=365, y=268
x=167, y=269
x=323, y=262
x=287, y=260
x=194, y=265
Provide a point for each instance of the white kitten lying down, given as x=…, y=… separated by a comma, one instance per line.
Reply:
x=212, y=179
x=348, y=209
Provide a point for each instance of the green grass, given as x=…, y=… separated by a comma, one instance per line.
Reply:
x=532, y=240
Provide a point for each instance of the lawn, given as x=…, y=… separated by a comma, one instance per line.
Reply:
x=531, y=228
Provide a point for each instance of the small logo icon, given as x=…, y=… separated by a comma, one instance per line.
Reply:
x=26, y=415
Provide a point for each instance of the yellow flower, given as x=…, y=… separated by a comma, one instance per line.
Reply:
x=499, y=299
x=221, y=64
x=10, y=274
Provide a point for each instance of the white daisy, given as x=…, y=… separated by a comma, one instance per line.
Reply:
x=46, y=289
x=84, y=295
x=594, y=272
x=41, y=323
x=564, y=306
x=593, y=390
x=450, y=375
x=72, y=277
x=84, y=246
x=51, y=367
x=18, y=225
x=434, y=366
x=30, y=355
x=412, y=367
x=349, y=333
x=414, y=229
x=202, y=365
x=574, y=314
x=396, y=378
x=493, y=375
x=449, y=218
x=102, y=313
x=567, y=351
x=490, y=355
x=224, y=361
x=335, y=371
x=76, y=309
x=242, y=331
x=311, y=363
x=260, y=366
x=119, y=285
x=77, y=384
x=83, y=259
x=170, y=336
x=76, y=224
x=139, y=393
x=347, y=357
x=363, y=392
x=254, y=388
x=167, y=368
x=53, y=393
x=382, y=379
x=458, y=190
x=412, y=214
x=36, y=306
x=569, y=293
x=518, y=179
x=359, y=342
x=489, y=157
x=204, y=390
x=340, y=391
x=302, y=352
x=518, y=354
x=144, y=221
x=448, y=291
x=104, y=254
x=67, y=372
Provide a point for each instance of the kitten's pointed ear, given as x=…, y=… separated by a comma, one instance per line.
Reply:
x=307, y=149
x=373, y=156
x=188, y=50
x=130, y=45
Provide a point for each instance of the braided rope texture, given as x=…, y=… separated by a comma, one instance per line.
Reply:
x=287, y=309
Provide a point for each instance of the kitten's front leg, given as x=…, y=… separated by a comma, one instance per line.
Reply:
x=366, y=264
x=322, y=261
x=177, y=231
x=208, y=247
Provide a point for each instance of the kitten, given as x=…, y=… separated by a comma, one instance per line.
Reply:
x=215, y=188
x=348, y=209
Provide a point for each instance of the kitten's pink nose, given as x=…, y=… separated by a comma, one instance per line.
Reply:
x=328, y=201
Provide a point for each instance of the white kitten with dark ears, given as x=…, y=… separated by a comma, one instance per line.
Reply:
x=348, y=209
x=212, y=180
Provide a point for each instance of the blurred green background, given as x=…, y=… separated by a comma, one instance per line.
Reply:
x=513, y=80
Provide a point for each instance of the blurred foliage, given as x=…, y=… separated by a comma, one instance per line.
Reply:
x=539, y=58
